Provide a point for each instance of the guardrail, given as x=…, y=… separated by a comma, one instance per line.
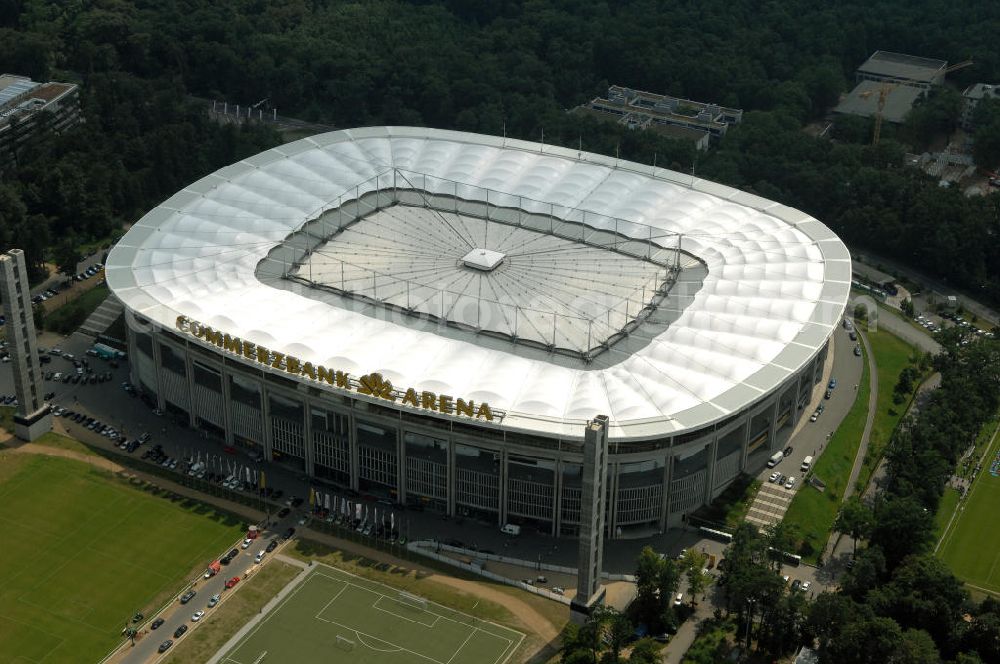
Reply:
x=423, y=548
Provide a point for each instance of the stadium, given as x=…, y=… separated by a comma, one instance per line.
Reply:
x=431, y=317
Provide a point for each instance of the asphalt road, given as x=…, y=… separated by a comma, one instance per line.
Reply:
x=177, y=614
x=109, y=403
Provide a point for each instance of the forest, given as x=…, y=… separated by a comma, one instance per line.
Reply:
x=502, y=65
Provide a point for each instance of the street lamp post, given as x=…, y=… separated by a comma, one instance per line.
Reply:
x=750, y=603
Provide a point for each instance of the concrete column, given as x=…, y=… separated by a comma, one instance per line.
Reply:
x=133, y=350
x=668, y=472
x=400, y=466
x=308, y=446
x=189, y=376
x=713, y=451
x=502, y=511
x=557, y=498
x=265, y=412
x=227, y=405
x=355, y=476
x=592, y=514
x=613, y=469
x=161, y=401
x=451, y=477
x=32, y=416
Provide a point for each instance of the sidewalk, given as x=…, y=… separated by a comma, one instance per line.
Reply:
x=859, y=458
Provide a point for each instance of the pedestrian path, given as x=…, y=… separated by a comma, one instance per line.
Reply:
x=101, y=319
x=770, y=505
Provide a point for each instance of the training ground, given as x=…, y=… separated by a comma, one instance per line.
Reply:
x=335, y=617
x=971, y=544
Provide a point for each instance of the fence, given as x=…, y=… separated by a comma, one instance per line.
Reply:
x=430, y=549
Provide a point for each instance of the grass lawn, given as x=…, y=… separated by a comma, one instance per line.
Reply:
x=70, y=316
x=426, y=586
x=949, y=501
x=892, y=355
x=710, y=642
x=84, y=551
x=971, y=547
x=732, y=504
x=226, y=620
x=337, y=617
x=811, y=512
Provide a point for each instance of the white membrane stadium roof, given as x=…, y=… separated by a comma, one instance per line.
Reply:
x=777, y=283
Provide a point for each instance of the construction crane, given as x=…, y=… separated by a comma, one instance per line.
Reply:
x=960, y=65
x=883, y=92
x=887, y=87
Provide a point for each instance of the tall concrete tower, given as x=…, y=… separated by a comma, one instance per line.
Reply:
x=589, y=591
x=32, y=417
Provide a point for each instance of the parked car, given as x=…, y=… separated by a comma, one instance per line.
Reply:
x=796, y=584
x=832, y=384
x=232, y=582
x=679, y=599
x=787, y=451
x=283, y=512
x=156, y=623
x=165, y=646
x=197, y=615
x=188, y=596
x=288, y=533
x=179, y=632
x=790, y=483
x=773, y=478
x=214, y=600
x=857, y=350
x=272, y=545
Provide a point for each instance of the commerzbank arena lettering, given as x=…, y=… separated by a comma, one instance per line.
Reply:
x=373, y=384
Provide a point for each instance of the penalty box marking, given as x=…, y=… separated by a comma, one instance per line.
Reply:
x=506, y=650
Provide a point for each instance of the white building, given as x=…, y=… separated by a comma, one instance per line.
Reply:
x=433, y=316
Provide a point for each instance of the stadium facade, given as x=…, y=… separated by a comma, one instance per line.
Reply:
x=432, y=317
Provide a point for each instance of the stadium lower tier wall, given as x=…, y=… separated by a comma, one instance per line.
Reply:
x=451, y=466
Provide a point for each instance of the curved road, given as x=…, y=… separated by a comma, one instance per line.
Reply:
x=859, y=458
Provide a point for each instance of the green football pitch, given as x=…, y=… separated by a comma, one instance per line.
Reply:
x=971, y=544
x=335, y=617
x=83, y=551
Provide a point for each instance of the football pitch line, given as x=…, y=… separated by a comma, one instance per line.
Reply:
x=373, y=642
x=956, y=516
x=395, y=646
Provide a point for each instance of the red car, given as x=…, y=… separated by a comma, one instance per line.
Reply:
x=232, y=582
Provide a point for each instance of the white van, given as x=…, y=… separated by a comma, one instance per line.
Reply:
x=511, y=529
x=806, y=464
x=775, y=459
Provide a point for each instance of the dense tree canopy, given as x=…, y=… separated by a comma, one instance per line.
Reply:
x=516, y=66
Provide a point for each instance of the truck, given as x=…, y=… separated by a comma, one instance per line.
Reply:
x=775, y=459
x=511, y=529
x=213, y=569
x=106, y=352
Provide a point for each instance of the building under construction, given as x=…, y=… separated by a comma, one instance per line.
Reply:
x=889, y=84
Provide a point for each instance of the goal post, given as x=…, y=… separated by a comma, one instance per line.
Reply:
x=413, y=601
x=345, y=643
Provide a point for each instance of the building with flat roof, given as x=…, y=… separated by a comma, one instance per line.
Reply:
x=863, y=101
x=28, y=107
x=677, y=118
x=907, y=70
x=432, y=317
x=972, y=96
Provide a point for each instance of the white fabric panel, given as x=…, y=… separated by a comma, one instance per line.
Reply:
x=196, y=256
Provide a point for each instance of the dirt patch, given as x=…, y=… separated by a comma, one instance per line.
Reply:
x=523, y=611
x=96, y=461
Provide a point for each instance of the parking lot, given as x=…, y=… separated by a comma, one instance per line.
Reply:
x=128, y=417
